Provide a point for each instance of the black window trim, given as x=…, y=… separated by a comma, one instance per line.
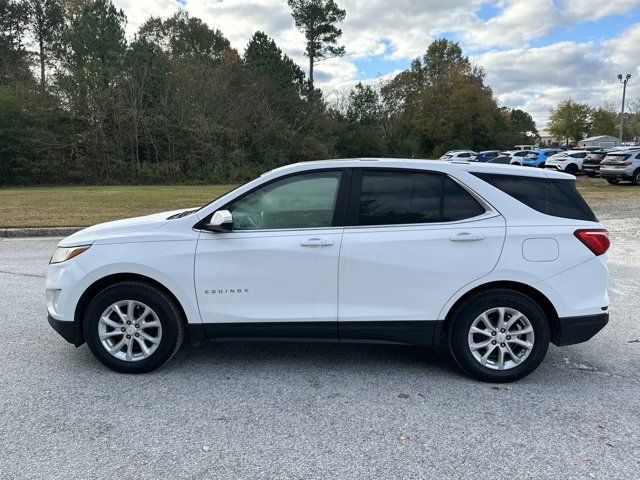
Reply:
x=353, y=205
x=339, y=213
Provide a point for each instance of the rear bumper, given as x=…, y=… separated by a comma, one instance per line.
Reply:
x=574, y=330
x=615, y=172
x=70, y=331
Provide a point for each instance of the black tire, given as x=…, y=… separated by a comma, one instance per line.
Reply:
x=571, y=169
x=636, y=177
x=590, y=174
x=613, y=181
x=166, y=311
x=464, y=317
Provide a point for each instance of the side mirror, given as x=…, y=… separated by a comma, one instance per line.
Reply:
x=221, y=221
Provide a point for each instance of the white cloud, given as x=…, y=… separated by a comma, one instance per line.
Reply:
x=138, y=11
x=518, y=22
x=595, y=9
x=536, y=79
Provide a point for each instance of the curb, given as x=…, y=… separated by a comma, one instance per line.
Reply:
x=38, y=232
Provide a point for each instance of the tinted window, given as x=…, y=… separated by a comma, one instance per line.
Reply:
x=464, y=155
x=457, y=203
x=578, y=155
x=401, y=197
x=558, y=198
x=301, y=201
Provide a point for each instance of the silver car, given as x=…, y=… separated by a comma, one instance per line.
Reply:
x=620, y=166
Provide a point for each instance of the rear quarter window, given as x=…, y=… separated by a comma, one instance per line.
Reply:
x=555, y=197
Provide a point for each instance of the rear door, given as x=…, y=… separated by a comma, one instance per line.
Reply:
x=413, y=238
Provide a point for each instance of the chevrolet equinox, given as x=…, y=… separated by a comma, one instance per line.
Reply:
x=494, y=262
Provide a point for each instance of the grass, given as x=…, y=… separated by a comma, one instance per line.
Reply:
x=82, y=206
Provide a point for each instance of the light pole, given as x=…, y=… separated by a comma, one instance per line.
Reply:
x=623, y=81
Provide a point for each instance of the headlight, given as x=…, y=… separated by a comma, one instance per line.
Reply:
x=66, y=253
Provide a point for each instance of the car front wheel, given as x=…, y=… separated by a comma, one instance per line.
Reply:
x=499, y=336
x=571, y=169
x=133, y=327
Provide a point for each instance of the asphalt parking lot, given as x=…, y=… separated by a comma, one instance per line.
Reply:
x=316, y=411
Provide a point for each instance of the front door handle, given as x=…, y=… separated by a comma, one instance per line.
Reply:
x=316, y=242
x=466, y=237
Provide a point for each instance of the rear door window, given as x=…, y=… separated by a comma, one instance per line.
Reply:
x=397, y=197
x=555, y=197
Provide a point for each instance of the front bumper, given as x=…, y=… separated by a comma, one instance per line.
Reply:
x=572, y=330
x=70, y=331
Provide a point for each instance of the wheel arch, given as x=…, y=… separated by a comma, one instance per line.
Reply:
x=104, y=282
x=537, y=296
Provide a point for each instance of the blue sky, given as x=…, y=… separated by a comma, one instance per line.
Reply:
x=535, y=52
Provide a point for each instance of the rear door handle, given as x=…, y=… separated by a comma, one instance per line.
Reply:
x=466, y=237
x=316, y=242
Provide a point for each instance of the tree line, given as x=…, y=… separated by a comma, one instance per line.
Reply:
x=572, y=121
x=80, y=103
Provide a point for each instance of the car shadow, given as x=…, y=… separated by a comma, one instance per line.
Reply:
x=318, y=356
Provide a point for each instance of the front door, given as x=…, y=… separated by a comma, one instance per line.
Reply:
x=275, y=274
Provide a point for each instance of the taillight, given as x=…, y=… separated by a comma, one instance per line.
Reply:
x=595, y=239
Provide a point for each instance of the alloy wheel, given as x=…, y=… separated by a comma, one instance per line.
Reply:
x=129, y=330
x=501, y=338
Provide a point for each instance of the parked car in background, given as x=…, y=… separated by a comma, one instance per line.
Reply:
x=486, y=155
x=621, y=165
x=525, y=147
x=495, y=262
x=539, y=157
x=458, y=155
x=552, y=151
x=518, y=156
x=535, y=159
x=589, y=149
x=568, y=162
x=591, y=163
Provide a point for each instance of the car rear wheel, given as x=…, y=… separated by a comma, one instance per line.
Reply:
x=133, y=327
x=636, y=177
x=499, y=336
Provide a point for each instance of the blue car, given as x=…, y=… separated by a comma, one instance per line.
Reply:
x=487, y=155
x=539, y=157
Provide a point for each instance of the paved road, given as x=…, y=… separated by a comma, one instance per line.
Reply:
x=315, y=411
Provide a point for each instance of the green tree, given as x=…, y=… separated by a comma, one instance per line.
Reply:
x=602, y=121
x=359, y=129
x=14, y=59
x=439, y=103
x=186, y=37
x=265, y=60
x=92, y=72
x=523, y=123
x=46, y=20
x=317, y=20
x=569, y=120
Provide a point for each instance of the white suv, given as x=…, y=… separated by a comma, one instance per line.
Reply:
x=492, y=261
x=464, y=155
x=569, y=161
